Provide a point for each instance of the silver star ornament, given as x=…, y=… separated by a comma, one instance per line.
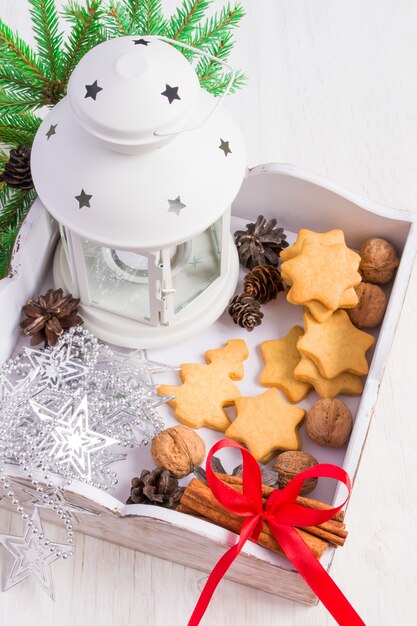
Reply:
x=32, y=556
x=71, y=442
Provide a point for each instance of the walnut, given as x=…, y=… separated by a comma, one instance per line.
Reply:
x=289, y=464
x=379, y=259
x=329, y=422
x=369, y=311
x=178, y=449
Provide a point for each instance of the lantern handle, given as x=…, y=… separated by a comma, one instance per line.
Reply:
x=219, y=101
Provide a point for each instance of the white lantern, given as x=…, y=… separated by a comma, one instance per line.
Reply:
x=140, y=166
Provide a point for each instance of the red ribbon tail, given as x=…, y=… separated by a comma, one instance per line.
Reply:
x=220, y=569
x=316, y=576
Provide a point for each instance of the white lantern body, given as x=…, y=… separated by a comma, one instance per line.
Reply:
x=143, y=205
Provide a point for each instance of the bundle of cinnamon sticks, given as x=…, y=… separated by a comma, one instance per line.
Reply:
x=199, y=501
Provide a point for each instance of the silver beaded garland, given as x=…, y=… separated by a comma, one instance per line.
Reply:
x=40, y=393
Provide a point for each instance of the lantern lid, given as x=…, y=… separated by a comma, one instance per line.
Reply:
x=147, y=200
x=127, y=89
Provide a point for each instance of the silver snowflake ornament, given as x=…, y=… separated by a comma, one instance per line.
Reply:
x=33, y=556
x=56, y=367
x=71, y=441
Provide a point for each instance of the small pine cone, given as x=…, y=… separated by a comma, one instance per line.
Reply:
x=17, y=172
x=260, y=243
x=49, y=316
x=157, y=487
x=263, y=283
x=245, y=311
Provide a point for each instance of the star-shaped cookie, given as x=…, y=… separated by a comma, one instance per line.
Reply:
x=336, y=346
x=281, y=357
x=345, y=383
x=266, y=424
x=208, y=389
x=326, y=239
x=322, y=273
x=320, y=312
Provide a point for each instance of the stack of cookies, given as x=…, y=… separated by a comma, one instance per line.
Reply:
x=329, y=354
x=322, y=273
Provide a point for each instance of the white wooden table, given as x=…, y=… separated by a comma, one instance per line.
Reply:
x=332, y=88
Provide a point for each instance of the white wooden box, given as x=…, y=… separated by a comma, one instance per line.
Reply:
x=297, y=199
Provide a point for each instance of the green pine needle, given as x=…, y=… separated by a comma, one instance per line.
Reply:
x=119, y=22
x=18, y=128
x=13, y=101
x=217, y=85
x=16, y=54
x=218, y=26
x=14, y=206
x=86, y=32
x=207, y=68
x=133, y=11
x=45, y=24
x=150, y=18
x=182, y=24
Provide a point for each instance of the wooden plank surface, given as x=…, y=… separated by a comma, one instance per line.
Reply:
x=332, y=88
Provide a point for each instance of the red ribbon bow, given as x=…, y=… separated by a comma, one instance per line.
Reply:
x=282, y=514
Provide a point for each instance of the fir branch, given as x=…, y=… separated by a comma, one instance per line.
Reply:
x=12, y=101
x=85, y=33
x=12, y=80
x=14, y=206
x=118, y=22
x=18, y=128
x=45, y=24
x=218, y=85
x=182, y=24
x=10, y=204
x=151, y=18
x=218, y=26
x=207, y=68
x=16, y=54
x=133, y=12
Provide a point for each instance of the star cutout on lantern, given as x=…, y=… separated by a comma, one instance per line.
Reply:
x=171, y=93
x=265, y=424
x=141, y=42
x=176, y=206
x=32, y=558
x=51, y=131
x=84, y=199
x=54, y=495
x=92, y=90
x=71, y=440
x=55, y=367
x=224, y=145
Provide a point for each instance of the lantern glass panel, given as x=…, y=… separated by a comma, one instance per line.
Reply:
x=117, y=281
x=202, y=267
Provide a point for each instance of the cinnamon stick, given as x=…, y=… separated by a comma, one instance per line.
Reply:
x=199, y=499
x=332, y=531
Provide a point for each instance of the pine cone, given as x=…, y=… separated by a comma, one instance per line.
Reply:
x=260, y=243
x=263, y=283
x=157, y=487
x=48, y=317
x=17, y=172
x=245, y=311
